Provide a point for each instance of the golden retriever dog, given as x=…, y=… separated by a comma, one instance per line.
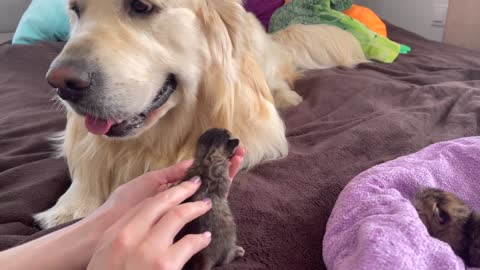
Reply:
x=142, y=79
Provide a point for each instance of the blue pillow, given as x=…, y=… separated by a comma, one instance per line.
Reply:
x=44, y=20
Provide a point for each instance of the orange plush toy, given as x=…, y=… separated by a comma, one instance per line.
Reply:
x=367, y=17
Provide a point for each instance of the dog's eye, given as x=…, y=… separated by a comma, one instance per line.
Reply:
x=75, y=9
x=141, y=7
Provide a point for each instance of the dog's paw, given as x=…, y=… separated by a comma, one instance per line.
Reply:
x=286, y=99
x=52, y=218
x=58, y=215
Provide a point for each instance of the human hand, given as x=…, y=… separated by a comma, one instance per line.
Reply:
x=134, y=192
x=143, y=237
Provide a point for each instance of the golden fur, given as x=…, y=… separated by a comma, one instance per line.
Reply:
x=232, y=75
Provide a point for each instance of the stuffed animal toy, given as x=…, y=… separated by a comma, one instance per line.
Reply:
x=375, y=46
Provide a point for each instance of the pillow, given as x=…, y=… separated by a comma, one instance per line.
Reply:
x=263, y=9
x=44, y=20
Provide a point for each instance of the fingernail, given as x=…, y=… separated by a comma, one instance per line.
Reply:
x=196, y=180
x=207, y=234
x=207, y=201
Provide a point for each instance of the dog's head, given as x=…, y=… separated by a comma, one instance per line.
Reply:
x=129, y=62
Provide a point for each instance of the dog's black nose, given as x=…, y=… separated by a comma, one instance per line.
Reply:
x=71, y=82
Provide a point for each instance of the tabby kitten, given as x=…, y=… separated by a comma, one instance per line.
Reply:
x=212, y=157
x=449, y=219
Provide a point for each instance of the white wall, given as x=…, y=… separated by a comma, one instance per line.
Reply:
x=10, y=13
x=414, y=15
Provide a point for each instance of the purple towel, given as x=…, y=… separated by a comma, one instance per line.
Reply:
x=263, y=9
x=373, y=224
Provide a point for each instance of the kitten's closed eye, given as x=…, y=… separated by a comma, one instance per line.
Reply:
x=441, y=216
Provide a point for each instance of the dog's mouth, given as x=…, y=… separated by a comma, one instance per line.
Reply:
x=126, y=127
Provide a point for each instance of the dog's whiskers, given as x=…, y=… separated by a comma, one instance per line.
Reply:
x=57, y=104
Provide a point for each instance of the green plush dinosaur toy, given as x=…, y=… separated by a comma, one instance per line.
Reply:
x=341, y=5
x=375, y=47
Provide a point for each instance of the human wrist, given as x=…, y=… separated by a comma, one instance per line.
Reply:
x=100, y=220
x=84, y=237
x=69, y=248
x=78, y=242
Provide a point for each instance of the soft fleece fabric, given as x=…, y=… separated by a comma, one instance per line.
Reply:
x=374, y=225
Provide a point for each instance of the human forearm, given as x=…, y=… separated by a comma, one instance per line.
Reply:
x=68, y=248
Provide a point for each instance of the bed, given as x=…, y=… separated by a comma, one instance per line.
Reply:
x=350, y=120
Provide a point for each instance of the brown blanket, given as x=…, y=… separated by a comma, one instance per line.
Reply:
x=350, y=121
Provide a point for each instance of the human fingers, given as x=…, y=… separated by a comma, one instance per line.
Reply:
x=147, y=185
x=164, y=231
x=185, y=248
x=236, y=161
x=152, y=181
x=137, y=225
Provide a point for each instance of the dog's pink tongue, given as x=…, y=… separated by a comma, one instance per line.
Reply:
x=97, y=126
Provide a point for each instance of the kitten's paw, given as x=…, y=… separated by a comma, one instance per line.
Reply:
x=234, y=253
x=239, y=252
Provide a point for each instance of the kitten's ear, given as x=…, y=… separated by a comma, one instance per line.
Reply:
x=232, y=144
x=440, y=215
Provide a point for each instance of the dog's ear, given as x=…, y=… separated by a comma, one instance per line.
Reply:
x=227, y=28
x=223, y=19
x=233, y=14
